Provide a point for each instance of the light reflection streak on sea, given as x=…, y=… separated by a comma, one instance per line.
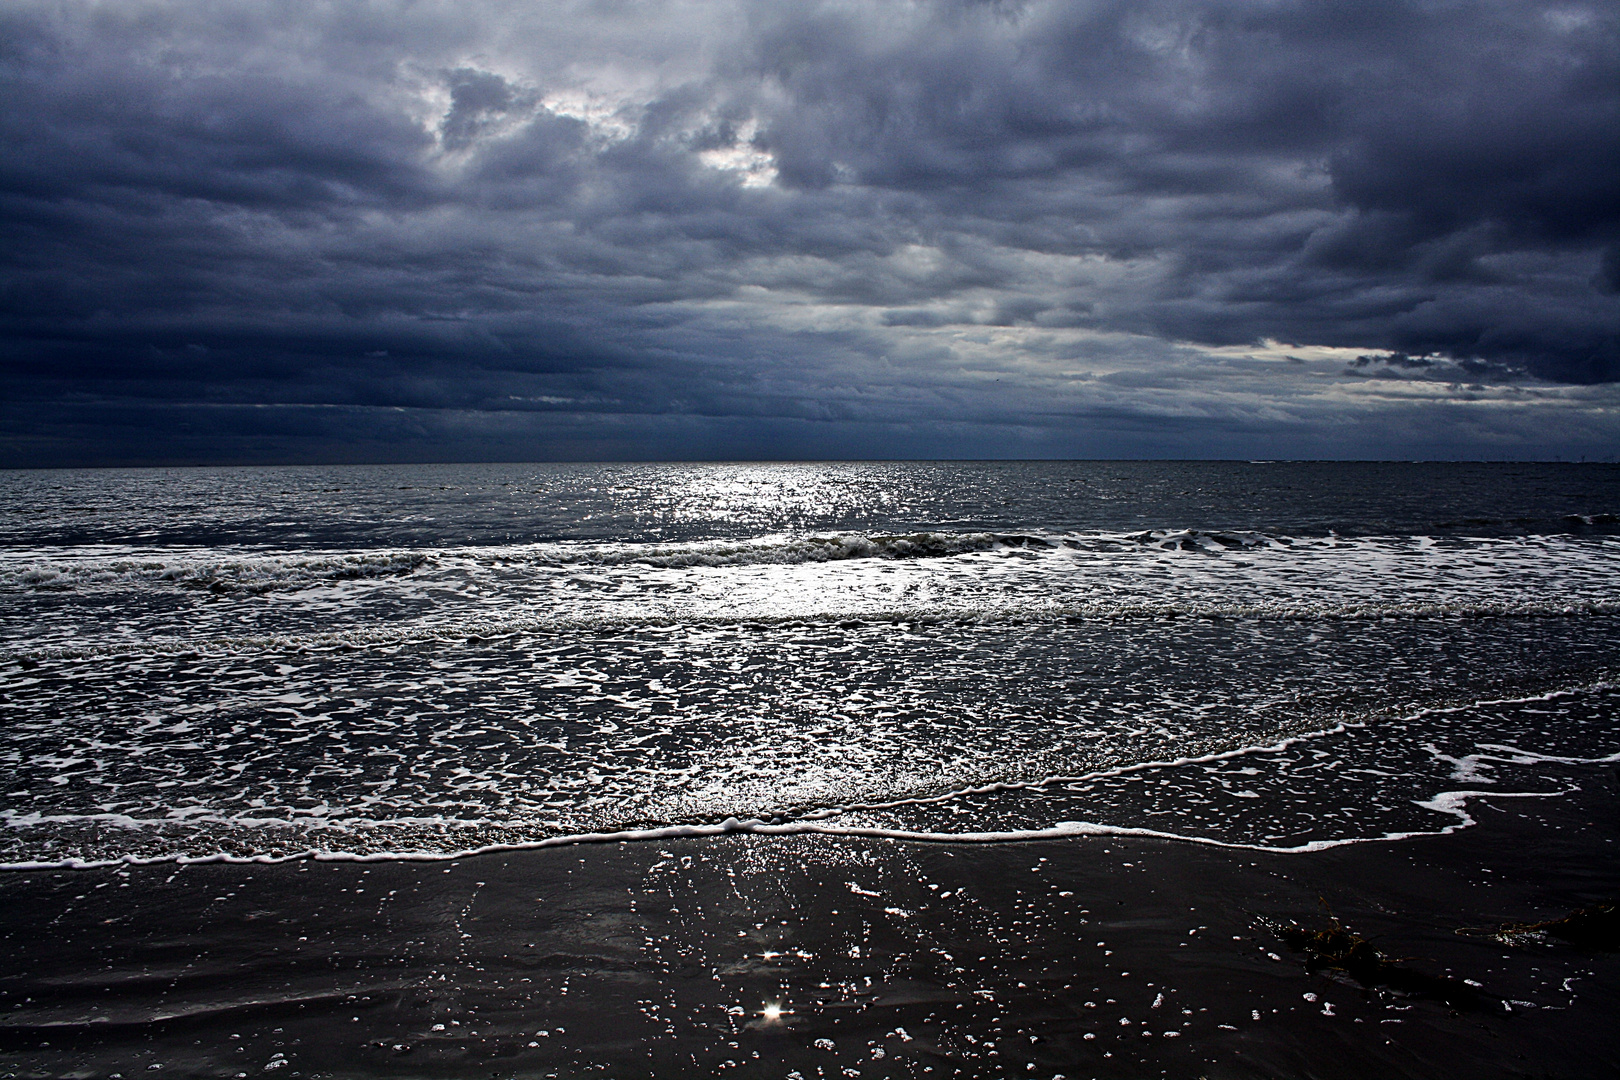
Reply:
x=857, y=646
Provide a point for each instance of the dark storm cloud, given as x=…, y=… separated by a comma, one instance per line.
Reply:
x=528, y=223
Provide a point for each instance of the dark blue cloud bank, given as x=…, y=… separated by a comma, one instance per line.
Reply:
x=233, y=231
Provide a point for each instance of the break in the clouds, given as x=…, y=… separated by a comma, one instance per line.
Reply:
x=238, y=231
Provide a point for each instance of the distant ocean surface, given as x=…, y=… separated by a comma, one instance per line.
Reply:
x=418, y=661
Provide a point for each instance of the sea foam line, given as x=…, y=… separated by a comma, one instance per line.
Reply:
x=1449, y=802
x=1453, y=803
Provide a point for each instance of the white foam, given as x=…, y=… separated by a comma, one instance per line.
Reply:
x=186, y=599
x=479, y=630
x=882, y=681
x=1452, y=803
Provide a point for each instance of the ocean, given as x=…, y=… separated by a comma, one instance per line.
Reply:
x=794, y=771
x=424, y=661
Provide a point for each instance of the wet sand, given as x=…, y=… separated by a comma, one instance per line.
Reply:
x=1085, y=957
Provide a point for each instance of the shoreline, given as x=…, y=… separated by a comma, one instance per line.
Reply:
x=1445, y=802
x=661, y=957
x=1448, y=803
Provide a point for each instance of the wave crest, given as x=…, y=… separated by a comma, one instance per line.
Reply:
x=239, y=575
x=789, y=550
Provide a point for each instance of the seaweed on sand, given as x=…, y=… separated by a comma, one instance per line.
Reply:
x=1338, y=948
x=1595, y=927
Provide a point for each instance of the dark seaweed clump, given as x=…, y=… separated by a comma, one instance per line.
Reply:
x=1595, y=927
x=1338, y=948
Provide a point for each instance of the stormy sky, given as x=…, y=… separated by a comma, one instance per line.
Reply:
x=237, y=231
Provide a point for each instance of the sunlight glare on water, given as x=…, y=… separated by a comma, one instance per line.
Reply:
x=440, y=658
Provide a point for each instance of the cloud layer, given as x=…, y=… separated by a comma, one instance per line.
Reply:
x=613, y=229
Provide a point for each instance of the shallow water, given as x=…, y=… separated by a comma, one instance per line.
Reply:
x=422, y=661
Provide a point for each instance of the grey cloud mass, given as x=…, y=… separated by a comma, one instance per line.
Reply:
x=374, y=231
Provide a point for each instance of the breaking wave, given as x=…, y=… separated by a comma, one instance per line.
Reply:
x=245, y=575
x=259, y=574
x=481, y=631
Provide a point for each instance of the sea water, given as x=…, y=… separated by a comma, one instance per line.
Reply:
x=420, y=661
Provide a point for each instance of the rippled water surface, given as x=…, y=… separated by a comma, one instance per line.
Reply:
x=429, y=659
